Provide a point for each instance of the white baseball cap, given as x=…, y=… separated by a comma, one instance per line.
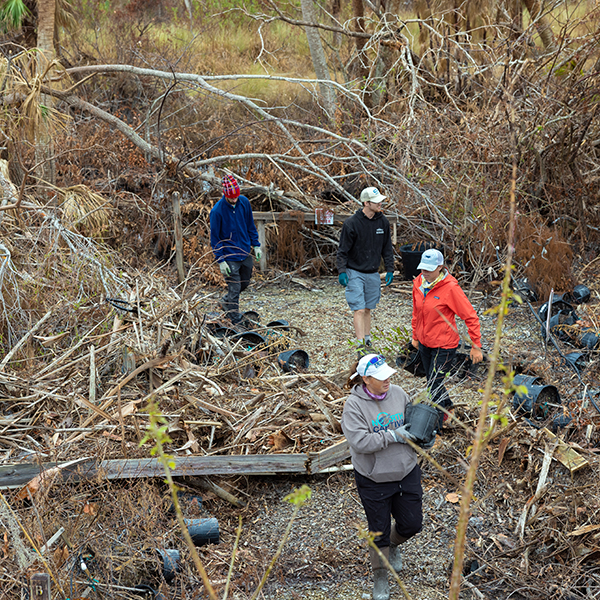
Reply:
x=374, y=365
x=372, y=194
x=431, y=260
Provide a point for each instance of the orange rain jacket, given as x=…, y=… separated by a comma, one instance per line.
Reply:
x=432, y=313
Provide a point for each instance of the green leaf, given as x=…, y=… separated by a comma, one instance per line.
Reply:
x=299, y=496
x=12, y=13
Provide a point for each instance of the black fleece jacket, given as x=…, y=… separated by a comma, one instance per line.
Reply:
x=363, y=242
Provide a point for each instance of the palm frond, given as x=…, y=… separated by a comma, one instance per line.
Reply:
x=12, y=13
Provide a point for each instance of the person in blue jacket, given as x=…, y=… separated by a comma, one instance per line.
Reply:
x=233, y=235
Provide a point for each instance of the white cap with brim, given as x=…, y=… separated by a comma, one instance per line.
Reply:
x=431, y=260
x=374, y=365
x=372, y=194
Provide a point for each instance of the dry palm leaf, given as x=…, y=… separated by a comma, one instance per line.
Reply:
x=85, y=210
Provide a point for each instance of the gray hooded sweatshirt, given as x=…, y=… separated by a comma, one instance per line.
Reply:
x=367, y=425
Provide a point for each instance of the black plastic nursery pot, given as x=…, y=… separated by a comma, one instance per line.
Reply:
x=223, y=332
x=589, y=339
x=526, y=289
x=250, y=319
x=581, y=293
x=527, y=380
x=561, y=325
x=538, y=402
x=463, y=366
x=411, y=257
x=423, y=419
x=559, y=303
x=203, y=531
x=250, y=340
x=293, y=361
x=251, y=315
x=577, y=359
x=279, y=324
x=411, y=362
x=560, y=422
x=170, y=563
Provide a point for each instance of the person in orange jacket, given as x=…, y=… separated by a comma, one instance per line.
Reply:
x=437, y=300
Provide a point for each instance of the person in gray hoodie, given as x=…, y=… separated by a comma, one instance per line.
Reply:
x=388, y=478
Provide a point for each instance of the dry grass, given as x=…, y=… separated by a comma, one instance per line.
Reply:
x=85, y=210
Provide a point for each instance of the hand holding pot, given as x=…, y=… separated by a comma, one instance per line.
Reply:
x=414, y=343
x=402, y=434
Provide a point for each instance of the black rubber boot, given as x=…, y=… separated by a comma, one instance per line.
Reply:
x=381, y=587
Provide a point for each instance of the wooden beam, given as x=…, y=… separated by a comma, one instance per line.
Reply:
x=330, y=456
x=17, y=475
x=273, y=217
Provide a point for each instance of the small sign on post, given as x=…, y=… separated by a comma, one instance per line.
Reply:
x=324, y=216
x=39, y=586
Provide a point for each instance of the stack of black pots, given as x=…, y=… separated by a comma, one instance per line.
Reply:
x=563, y=325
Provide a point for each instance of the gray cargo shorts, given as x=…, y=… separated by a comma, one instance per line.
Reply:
x=363, y=290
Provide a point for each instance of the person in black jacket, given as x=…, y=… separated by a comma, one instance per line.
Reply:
x=364, y=240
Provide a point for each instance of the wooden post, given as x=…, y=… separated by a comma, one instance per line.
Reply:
x=262, y=238
x=92, y=375
x=178, y=236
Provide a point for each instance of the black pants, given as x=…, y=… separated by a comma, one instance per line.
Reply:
x=438, y=363
x=237, y=282
x=401, y=499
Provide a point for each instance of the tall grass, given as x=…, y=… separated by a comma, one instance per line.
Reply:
x=224, y=44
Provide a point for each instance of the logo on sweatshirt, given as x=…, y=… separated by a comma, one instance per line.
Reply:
x=384, y=421
x=379, y=231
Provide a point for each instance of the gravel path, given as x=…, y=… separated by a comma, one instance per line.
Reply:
x=324, y=557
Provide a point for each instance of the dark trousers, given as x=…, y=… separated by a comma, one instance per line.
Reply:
x=437, y=363
x=401, y=499
x=237, y=282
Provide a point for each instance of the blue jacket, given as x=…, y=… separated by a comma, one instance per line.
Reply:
x=232, y=230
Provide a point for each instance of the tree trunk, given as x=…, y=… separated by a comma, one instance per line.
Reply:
x=318, y=57
x=336, y=13
x=46, y=15
x=44, y=146
x=362, y=69
x=535, y=9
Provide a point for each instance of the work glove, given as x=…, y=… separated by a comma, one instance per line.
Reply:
x=257, y=253
x=225, y=268
x=389, y=277
x=343, y=279
x=429, y=445
x=402, y=434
